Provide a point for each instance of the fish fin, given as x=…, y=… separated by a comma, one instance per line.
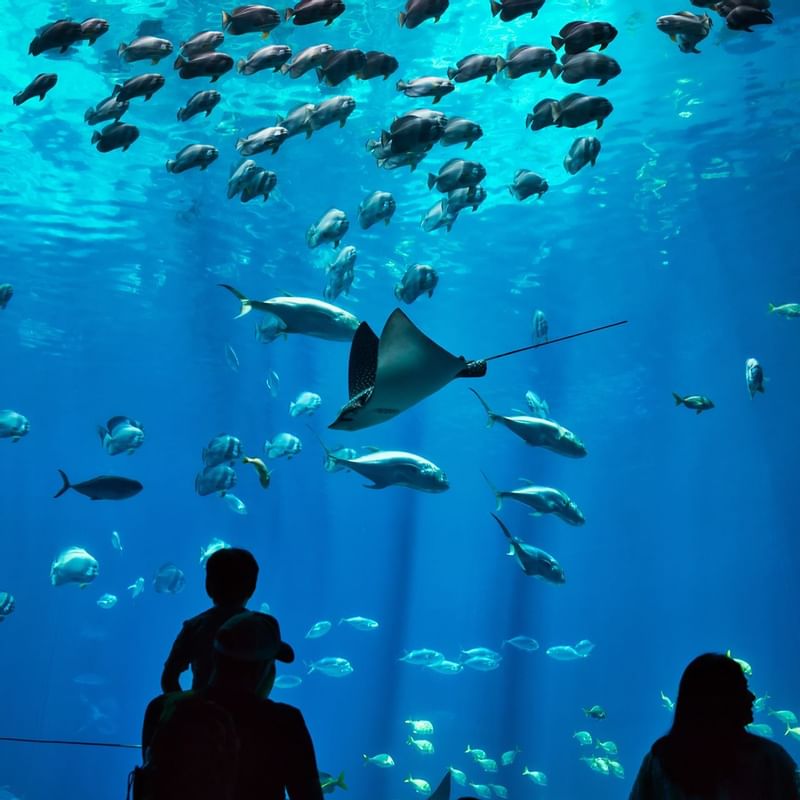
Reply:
x=599, y=124
x=227, y=19
x=154, y=61
x=401, y=19
x=557, y=42
x=265, y=34
x=67, y=484
x=488, y=410
x=246, y=306
x=329, y=22
x=240, y=64
x=431, y=180
x=436, y=99
x=451, y=73
x=496, y=8
x=602, y=82
x=287, y=15
x=678, y=398
x=556, y=69
x=498, y=498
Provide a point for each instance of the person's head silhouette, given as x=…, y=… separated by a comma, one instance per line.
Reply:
x=713, y=695
x=231, y=575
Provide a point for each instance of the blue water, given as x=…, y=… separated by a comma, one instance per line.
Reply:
x=687, y=227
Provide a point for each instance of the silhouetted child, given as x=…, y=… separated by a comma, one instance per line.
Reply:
x=231, y=576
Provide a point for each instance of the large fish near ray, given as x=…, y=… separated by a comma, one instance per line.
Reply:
x=389, y=374
x=302, y=315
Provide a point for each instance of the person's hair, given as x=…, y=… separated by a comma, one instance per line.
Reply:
x=701, y=748
x=231, y=576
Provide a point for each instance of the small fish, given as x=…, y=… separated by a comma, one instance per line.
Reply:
x=383, y=760
x=74, y=565
x=341, y=274
x=332, y=666
x=694, y=401
x=475, y=752
x=38, y=87
x=788, y=310
x=319, y=629
x=104, y=487
x=231, y=358
x=417, y=11
x=458, y=776
x=136, y=588
x=510, y=10
x=419, y=279
x=328, y=783
x=754, y=375
x=420, y=727
x=273, y=383
x=583, y=738
x=200, y=102
x=203, y=42
x=145, y=48
x=335, y=109
x=235, y=504
x=377, y=64
x=272, y=57
x=222, y=449
x=105, y=110
x=141, y=86
x=539, y=326
x=13, y=425
x=191, y=156
x=455, y=174
x=331, y=227
x=117, y=136
x=420, y=785
x=607, y=747
x=460, y=130
x=595, y=712
x=269, y=138
x=107, y=600
x=564, y=652
x=538, y=406
x=284, y=444
x=525, y=60
x=116, y=541
x=360, y=623
x=579, y=36
x=6, y=293
x=169, y=579
x=429, y=86
x=742, y=18
x=7, y=605
x=587, y=66
x=121, y=435
x=523, y=643
x=312, y=57
x=250, y=19
x=59, y=35
x=487, y=764
x=476, y=66
x=260, y=467
x=537, y=777
x=760, y=729
x=93, y=28
x=214, y=479
x=423, y=657
x=287, y=681
x=422, y=745
x=379, y=206
x=667, y=703
x=206, y=65
x=583, y=151
x=215, y=545
x=307, y=12
x=507, y=758
x=341, y=65
x=526, y=184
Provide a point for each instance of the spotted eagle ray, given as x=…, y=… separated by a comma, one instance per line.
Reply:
x=388, y=375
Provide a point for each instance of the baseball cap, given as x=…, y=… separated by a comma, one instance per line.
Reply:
x=253, y=636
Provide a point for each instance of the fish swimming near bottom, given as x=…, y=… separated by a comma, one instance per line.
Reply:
x=104, y=487
x=534, y=562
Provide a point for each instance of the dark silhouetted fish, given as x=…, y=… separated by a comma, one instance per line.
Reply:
x=141, y=86
x=104, y=487
x=59, y=35
x=206, y=65
x=38, y=87
x=578, y=36
x=341, y=65
x=307, y=12
x=511, y=9
x=250, y=19
x=417, y=11
x=377, y=64
x=116, y=136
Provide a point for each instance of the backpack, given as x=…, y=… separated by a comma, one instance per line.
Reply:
x=194, y=753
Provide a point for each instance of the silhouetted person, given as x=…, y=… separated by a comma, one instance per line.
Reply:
x=708, y=754
x=274, y=755
x=231, y=576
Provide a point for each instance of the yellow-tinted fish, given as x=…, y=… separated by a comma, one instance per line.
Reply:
x=261, y=468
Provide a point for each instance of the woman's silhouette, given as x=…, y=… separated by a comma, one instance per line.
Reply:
x=708, y=753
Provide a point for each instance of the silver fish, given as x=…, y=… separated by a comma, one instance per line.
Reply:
x=533, y=561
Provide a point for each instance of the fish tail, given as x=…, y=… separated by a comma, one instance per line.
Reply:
x=400, y=86
x=451, y=73
x=122, y=48
x=401, y=19
x=501, y=64
x=557, y=42
x=496, y=8
x=505, y=530
x=288, y=14
x=340, y=781
x=179, y=62
x=431, y=180
x=226, y=19
x=67, y=484
x=18, y=98
x=771, y=307
x=180, y=114
x=556, y=69
x=245, y=301
x=498, y=498
x=96, y=137
x=240, y=64
x=488, y=410
x=678, y=398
